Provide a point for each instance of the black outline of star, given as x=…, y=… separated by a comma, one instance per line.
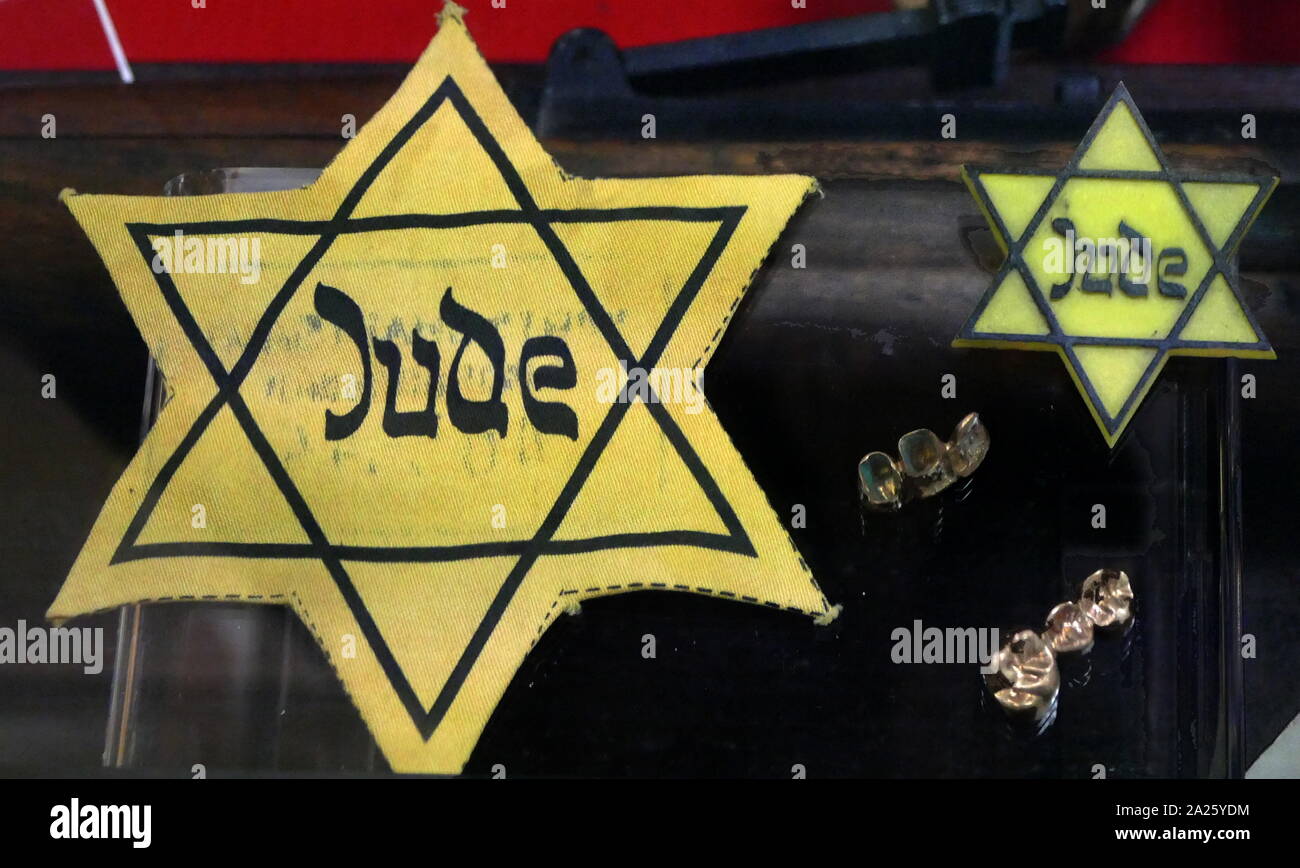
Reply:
x=229, y=382
x=1056, y=338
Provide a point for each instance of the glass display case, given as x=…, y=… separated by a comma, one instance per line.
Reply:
x=822, y=365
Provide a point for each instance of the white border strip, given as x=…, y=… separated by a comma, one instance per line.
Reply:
x=114, y=44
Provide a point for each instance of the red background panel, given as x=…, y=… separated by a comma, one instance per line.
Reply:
x=65, y=34
x=1214, y=31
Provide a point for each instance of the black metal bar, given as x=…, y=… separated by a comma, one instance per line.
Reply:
x=1232, y=694
x=774, y=43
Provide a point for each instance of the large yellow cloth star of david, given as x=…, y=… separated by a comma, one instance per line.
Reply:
x=1117, y=262
x=451, y=397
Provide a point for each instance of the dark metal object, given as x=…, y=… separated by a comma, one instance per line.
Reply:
x=966, y=43
x=590, y=92
x=843, y=78
x=969, y=41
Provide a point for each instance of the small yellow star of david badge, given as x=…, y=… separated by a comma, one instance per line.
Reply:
x=436, y=398
x=1117, y=262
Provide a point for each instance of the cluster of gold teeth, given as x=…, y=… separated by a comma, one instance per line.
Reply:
x=1026, y=678
x=1105, y=603
x=925, y=465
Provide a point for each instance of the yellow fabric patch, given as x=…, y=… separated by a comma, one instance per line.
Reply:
x=1116, y=263
x=436, y=398
x=1016, y=198
x=1219, y=317
x=1011, y=310
x=1220, y=207
x=1115, y=372
x=1121, y=143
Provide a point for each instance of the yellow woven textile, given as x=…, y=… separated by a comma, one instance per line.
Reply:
x=437, y=398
